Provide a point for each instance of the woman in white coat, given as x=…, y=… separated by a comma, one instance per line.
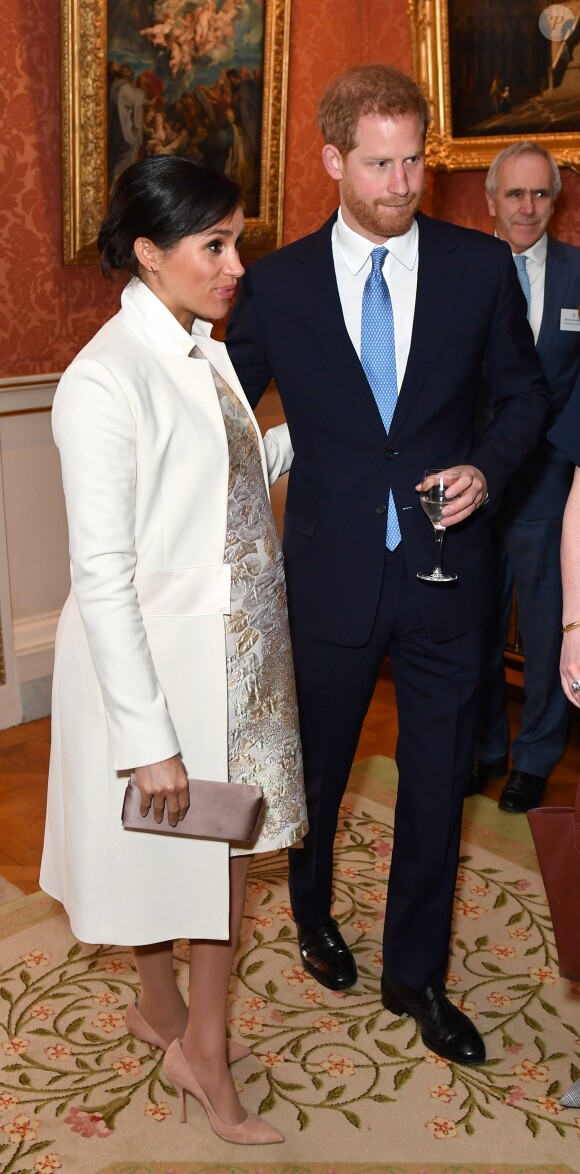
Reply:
x=172, y=654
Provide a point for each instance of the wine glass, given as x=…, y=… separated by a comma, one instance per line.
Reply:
x=432, y=500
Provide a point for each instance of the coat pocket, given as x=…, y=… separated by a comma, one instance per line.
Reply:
x=185, y=591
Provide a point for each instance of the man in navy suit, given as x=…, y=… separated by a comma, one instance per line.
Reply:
x=355, y=536
x=522, y=185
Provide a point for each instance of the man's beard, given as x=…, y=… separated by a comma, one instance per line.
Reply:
x=379, y=218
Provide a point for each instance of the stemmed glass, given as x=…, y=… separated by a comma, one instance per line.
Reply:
x=433, y=499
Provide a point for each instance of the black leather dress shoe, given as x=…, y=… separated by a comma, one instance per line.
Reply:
x=522, y=791
x=482, y=772
x=444, y=1029
x=326, y=956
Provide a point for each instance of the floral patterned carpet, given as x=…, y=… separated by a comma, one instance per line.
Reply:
x=351, y=1086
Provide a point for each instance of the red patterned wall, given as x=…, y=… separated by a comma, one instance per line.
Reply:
x=48, y=310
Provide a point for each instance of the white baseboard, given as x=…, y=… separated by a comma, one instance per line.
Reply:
x=34, y=646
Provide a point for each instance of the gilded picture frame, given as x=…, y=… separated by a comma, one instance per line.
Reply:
x=86, y=118
x=468, y=53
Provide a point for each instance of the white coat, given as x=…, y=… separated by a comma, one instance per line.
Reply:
x=140, y=670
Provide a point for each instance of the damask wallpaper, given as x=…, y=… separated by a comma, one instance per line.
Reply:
x=48, y=310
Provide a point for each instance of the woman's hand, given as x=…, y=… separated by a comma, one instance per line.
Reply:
x=570, y=664
x=161, y=783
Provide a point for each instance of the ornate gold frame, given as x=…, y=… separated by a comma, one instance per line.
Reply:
x=431, y=68
x=84, y=128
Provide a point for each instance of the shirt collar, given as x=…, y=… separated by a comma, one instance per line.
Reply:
x=356, y=249
x=164, y=332
x=538, y=251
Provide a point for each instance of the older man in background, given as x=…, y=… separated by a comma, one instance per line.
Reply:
x=521, y=186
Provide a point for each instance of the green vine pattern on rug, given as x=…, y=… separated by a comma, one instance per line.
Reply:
x=67, y=1053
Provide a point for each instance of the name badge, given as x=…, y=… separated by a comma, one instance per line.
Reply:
x=569, y=320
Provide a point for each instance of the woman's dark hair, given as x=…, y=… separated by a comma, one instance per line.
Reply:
x=163, y=198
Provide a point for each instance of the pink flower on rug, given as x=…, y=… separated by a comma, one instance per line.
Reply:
x=522, y=885
x=479, y=890
x=57, y=1051
x=347, y=870
x=36, y=958
x=247, y=1023
x=515, y=1048
x=262, y=921
x=15, y=1046
x=328, y=1024
x=271, y=1059
x=337, y=1065
x=376, y=896
x=104, y=999
x=47, y=1164
x=543, y=974
x=442, y=1092
x=465, y=1005
x=87, y=1124
x=498, y=999
x=521, y=934
x=42, y=1011
x=441, y=1128
x=297, y=977
x=108, y=1021
x=312, y=995
x=22, y=1128
x=503, y=951
x=256, y=886
x=469, y=909
x=159, y=1111
x=461, y=877
x=283, y=910
x=347, y=808
x=8, y=1100
x=362, y=925
x=452, y=980
x=254, y=1003
x=375, y=959
x=115, y=966
x=376, y=829
x=436, y=1061
x=126, y=1066
x=383, y=867
x=551, y=1105
x=529, y=1071
x=515, y=1094
x=381, y=848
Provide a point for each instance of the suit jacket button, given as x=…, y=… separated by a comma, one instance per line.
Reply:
x=391, y=453
x=381, y=509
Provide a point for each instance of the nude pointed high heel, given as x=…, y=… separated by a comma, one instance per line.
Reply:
x=138, y=1026
x=253, y=1131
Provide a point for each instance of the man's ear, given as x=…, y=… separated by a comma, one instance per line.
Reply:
x=147, y=254
x=332, y=159
x=490, y=205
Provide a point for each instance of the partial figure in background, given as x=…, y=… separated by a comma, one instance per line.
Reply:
x=125, y=130
x=173, y=656
x=566, y=436
x=522, y=185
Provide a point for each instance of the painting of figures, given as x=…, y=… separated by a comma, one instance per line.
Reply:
x=186, y=77
x=514, y=67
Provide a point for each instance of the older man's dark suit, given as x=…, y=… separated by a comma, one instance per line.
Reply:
x=528, y=527
x=349, y=601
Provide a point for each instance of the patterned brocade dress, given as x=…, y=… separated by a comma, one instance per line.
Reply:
x=263, y=734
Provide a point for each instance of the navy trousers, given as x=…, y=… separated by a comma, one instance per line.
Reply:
x=437, y=692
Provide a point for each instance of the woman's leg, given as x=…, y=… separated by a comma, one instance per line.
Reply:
x=161, y=1003
x=210, y=968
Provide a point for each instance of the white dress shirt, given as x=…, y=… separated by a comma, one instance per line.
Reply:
x=352, y=262
x=536, y=271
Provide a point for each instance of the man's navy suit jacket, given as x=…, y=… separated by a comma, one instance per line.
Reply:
x=541, y=488
x=287, y=323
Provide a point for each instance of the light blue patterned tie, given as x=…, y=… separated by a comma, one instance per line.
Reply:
x=521, y=262
x=377, y=354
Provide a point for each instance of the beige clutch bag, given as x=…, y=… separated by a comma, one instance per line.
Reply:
x=217, y=811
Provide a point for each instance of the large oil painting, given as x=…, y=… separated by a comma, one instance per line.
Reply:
x=201, y=78
x=495, y=71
